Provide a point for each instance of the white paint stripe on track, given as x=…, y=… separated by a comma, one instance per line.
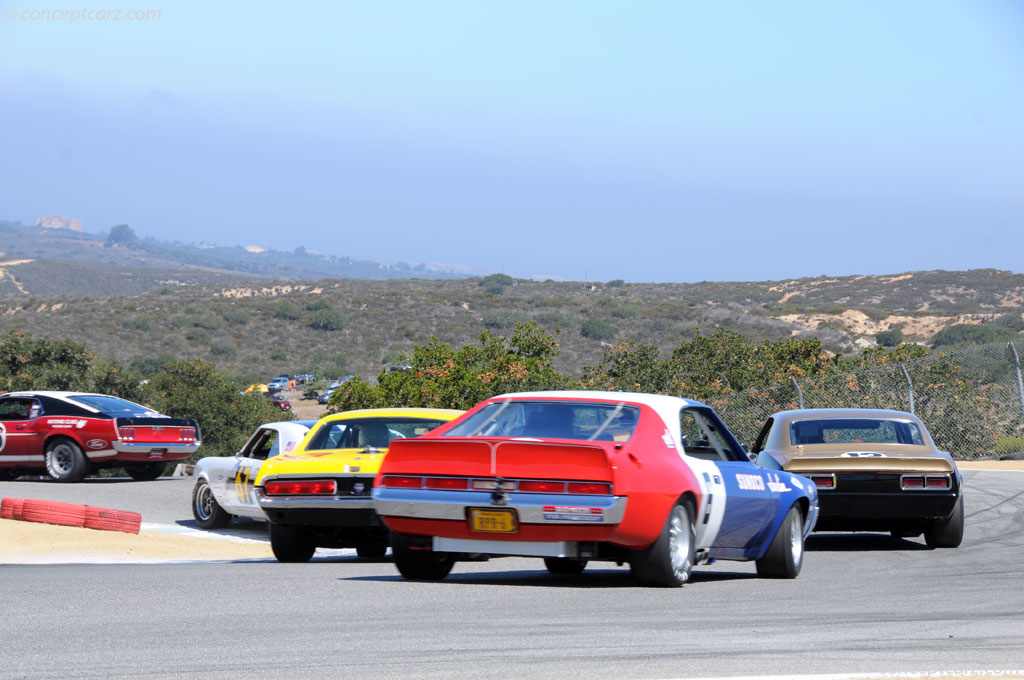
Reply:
x=909, y=675
x=197, y=533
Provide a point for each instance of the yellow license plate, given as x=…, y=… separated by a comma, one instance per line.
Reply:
x=494, y=521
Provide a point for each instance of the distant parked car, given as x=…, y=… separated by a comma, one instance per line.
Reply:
x=224, y=485
x=280, y=401
x=278, y=384
x=876, y=470
x=325, y=396
x=68, y=434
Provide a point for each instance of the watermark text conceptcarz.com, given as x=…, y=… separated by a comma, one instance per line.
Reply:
x=71, y=16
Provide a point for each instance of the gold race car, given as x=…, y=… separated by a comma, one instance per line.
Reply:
x=875, y=470
x=318, y=495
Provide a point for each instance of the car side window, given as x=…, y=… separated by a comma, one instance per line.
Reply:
x=15, y=409
x=762, y=437
x=704, y=436
x=267, y=445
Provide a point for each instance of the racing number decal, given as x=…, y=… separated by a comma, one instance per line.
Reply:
x=242, y=478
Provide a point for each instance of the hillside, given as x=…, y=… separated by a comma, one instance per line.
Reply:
x=69, y=257
x=259, y=328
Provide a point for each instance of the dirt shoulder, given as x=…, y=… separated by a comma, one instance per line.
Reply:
x=36, y=543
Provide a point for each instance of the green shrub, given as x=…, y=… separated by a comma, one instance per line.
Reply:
x=625, y=312
x=236, y=316
x=278, y=354
x=891, y=337
x=287, y=311
x=150, y=366
x=138, y=323
x=1012, y=320
x=223, y=348
x=616, y=283
x=496, y=283
x=595, y=329
x=317, y=305
x=972, y=333
x=327, y=320
x=502, y=318
x=207, y=321
x=1009, y=445
x=197, y=335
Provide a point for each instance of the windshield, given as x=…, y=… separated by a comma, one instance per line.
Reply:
x=551, y=420
x=854, y=431
x=112, y=406
x=360, y=433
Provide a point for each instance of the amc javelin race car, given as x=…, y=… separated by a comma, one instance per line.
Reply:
x=654, y=481
x=319, y=494
x=224, y=486
x=68, y=434
x=875, y=471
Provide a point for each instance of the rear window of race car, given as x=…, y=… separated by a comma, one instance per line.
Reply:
x=114, y=407
x=376, y=432
x=551, y=420
x=854, y=431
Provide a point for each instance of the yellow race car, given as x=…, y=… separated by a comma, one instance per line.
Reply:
x=318, y=495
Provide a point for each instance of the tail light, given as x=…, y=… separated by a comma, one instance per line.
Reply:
x=127, y=434
x=542, y=487
x=402, y=482
x=450, y=483
x=591, y=488
x=926, y=482
x=186, y=434
x=301, y=487
x=824, y=481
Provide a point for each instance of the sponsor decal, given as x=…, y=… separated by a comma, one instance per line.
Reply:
x=61, y=423
x=358, y=487
x=862, y=454
x=776, y=484
x=570, y=513
x=667, y=438
x=750, y=482
x=96, y=444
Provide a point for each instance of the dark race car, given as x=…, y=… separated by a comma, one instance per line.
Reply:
x=68, y=434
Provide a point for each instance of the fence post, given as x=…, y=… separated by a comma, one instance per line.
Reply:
x=910, y=386
x=800, y=394
x=1020, y=383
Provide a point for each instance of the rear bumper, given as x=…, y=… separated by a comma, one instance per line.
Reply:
x=531, y=508
x=332, y=511
x=882, y=511
x=152, y=451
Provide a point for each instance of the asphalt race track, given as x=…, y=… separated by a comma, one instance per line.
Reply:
x=864, y=603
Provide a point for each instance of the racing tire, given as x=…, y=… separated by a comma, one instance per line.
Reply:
x=53, y=512
x=949, y=531
x=785, y=555
x=65, y=461
x=205, y=508
x=667, y=562
x=372, y=550
x=108, y=519
x=563, y=566
x=417, y=562
x=146, y=472
x=291, y=545
x=9, y=474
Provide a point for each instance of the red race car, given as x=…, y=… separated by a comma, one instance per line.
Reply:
x=68, y=434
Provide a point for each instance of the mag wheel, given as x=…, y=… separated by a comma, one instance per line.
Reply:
x=668, y=561
x=65, y=461
x=786, y=553
x=206, y=509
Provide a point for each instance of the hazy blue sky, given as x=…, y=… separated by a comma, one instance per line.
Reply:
x=649, y=141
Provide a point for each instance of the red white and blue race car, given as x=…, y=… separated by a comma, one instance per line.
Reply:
x=68, y=434
x=654, y=481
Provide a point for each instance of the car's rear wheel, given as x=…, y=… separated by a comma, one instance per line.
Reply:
x=65, y=461
x=372, y=549
x=668, y=561
x=563, y=565
x=416, y=561
x=291, y=545
x=785, y=555
x=947, y=532
x=146, y=472
x=206, y=509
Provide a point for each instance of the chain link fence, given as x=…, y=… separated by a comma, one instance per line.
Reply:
x=971, y=399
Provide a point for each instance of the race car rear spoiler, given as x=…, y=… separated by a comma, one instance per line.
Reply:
x=804, y=464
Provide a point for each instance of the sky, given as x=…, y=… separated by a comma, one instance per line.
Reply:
x=673, y=141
